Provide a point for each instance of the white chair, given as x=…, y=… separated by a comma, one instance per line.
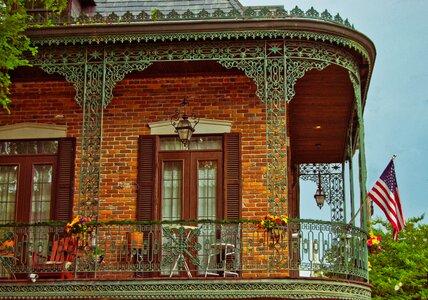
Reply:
x=224, y=252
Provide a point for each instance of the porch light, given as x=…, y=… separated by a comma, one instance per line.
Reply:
x=183, y=126
x=319, y=194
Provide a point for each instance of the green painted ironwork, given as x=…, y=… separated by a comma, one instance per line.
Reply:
x=276, y=134
x=90, y=160
x=50, y=19
x=66, y=62
x=189, y=289
x=183, y=248
x=205, y=36
x=332, y=182
x=275, y=66
x=351, y=180
x=355, y=79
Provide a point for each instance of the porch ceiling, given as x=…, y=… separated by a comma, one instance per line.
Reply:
x=320, y=114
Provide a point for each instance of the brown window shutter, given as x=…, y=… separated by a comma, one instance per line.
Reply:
x=147, y=157
x=65, y=179
x=232, y=162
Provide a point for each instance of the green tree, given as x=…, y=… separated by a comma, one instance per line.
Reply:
x=400, y=271
x=14, y=44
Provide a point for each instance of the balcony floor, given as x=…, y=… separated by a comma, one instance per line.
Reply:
x=179, y=288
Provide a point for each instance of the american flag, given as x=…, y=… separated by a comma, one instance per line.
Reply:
x=385, y=195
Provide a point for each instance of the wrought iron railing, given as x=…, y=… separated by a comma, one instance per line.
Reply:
x=273, y=12
x=187, y=249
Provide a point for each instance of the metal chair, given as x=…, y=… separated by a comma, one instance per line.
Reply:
x=224, y=252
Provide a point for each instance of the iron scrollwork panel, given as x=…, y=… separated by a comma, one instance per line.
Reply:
x=332, y=182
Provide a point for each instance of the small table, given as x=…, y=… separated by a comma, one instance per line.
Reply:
x=181, y=236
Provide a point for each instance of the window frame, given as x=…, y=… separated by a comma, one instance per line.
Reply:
x=24, y=191
x=62, y=193
x=189, y=197
x=148, y=195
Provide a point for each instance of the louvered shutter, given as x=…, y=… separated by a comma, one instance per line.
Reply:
x=232, y=162
x=65, y=179
x=147, y=154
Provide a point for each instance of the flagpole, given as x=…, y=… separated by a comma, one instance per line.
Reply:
x=358, y=211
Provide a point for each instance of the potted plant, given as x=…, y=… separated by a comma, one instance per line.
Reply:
x=78, y=225
x=274, y=225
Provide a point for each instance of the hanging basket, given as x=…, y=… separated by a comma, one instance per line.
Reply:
x=375, y=249
x=276, y=234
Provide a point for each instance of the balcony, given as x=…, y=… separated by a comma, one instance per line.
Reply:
x=237, y=253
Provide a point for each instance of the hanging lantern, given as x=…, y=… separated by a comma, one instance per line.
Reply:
x=183, y=126
x=319, y=194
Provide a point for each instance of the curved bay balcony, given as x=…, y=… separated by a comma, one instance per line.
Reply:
x=304, y=251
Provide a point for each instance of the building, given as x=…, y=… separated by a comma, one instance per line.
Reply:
x=274, y=97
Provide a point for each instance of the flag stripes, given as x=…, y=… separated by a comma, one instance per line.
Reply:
x=385, y=194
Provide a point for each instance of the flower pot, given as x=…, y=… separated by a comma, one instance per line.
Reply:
x=375, y=249
x=276, y=234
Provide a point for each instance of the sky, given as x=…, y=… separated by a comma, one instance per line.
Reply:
x=396, y=111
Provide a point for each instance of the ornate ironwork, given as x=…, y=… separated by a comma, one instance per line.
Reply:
x=276, y=170
x=181, y=244
x=47, y=18
x=190, y=289
x=66, y=62
x=206, y=36
x=332, y=182
x=167, y=249
x=355, y=79
x=272, y=65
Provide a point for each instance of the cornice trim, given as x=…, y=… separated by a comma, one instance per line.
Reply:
x=200, y=30
x=189, y=289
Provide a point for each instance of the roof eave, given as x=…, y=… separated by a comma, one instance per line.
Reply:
x=196, y=26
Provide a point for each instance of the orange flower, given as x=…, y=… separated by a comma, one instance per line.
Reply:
x=77, y=225
x=373, y=240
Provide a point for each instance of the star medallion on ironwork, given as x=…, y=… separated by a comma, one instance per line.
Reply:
x=95, y=54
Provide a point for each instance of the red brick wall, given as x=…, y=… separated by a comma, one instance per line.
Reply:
x=139, y=100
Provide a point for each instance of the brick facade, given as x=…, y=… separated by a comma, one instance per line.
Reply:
x=139, y=100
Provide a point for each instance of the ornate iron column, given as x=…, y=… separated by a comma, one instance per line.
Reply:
x=275, y=99
x=362, y=154
x=351, y=182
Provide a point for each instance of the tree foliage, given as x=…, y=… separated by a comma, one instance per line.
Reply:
x=14, y=44
x=400, y=271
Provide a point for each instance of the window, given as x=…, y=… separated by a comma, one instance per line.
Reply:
x=36, y=180
x=190, y=185
x=203, y=182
